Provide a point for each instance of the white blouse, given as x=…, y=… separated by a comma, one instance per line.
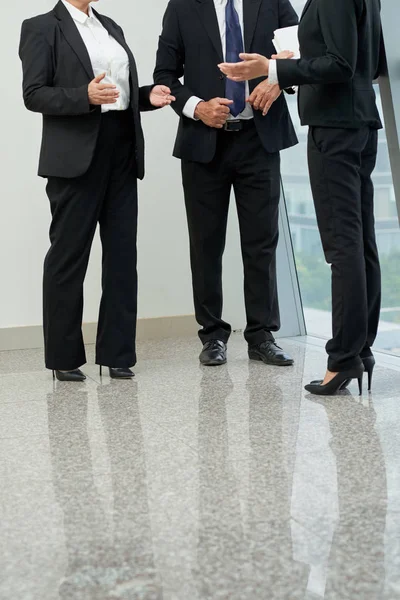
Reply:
x=106, y=55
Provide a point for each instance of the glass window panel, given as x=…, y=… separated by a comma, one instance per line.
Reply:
x=313, y=272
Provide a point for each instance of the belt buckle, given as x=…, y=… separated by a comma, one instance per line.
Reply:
x=233, y=125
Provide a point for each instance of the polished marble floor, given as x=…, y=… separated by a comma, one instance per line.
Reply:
x=198, y=484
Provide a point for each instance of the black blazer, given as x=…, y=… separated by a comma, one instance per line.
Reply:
x=341, y=54
x=56, y=74
x=190, y=47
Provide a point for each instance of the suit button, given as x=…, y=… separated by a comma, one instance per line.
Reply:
x=222, y=77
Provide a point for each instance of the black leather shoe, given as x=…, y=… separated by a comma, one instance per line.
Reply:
x=270, y=354
x=213, y=353
x=124, y=373
x=76, y=375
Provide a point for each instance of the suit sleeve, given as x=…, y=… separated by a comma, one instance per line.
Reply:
x=287, y=18
x=171, y=60
x=338, y=22
x=37, y=67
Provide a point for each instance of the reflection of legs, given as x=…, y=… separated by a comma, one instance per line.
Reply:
x=335, y=162
x=207, y=191
x=370, y=249
x=75, y=490
x=257, y=190
x=220, y=547
x=133, y=545
x=358, y=545
x=270, y=538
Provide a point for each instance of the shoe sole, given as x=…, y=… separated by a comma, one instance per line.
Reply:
x=258, y=358
x=213, y=363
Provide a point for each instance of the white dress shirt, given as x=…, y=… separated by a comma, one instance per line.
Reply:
x=106, y=55
x=220, y=8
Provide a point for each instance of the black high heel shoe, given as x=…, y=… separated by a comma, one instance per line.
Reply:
x=336, y=384
x=369, y=365
x=75, y=375
x=124, y=373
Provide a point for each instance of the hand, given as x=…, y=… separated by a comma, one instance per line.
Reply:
x=285, y=54
x=160, y=96
x=264, y=95
x=213, y=113
x=102, y=93
x=251, y=67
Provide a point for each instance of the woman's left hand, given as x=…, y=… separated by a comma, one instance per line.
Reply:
x=251, y=67
x=160, y=96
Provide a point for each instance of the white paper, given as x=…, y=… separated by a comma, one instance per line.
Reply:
x=287, y=39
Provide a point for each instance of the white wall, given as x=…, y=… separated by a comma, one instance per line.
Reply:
x=163, y=246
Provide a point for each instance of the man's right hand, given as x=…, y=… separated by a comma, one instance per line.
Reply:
x=102, y=93
x=213, y=113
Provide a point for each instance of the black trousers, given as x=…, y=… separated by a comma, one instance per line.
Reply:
x=341, y=163
x=241, y=162
x=105, y=194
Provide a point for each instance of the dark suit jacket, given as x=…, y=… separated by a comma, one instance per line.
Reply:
x=341, y=55
x=190, y=47
x=56, y=74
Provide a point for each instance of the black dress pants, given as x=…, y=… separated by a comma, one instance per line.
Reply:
x=105, y=194
x=341, y=162
x=241, y=162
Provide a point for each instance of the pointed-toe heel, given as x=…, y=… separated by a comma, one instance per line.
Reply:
x=118, y=373
x=73, y=376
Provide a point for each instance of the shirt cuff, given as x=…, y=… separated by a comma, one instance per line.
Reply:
x=273, y=73
x=190, y=107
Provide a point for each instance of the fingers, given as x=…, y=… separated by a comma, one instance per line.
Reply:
x=246, y=56
x=283, y=55
x=224, y=101
x=99, y=78
x=106, y=86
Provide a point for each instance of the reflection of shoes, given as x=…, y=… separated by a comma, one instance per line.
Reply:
x=270, y=354
x=336, y=384
x=124, y=373
x=76, y=375
x=213, y=353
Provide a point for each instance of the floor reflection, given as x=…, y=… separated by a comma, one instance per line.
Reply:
x=356, y=562
x=103, y=564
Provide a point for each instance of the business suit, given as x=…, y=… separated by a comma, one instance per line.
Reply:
x=92, y=161
x=213, y=161
x=341, y=55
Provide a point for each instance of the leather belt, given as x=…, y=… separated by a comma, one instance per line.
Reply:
x=237, y=124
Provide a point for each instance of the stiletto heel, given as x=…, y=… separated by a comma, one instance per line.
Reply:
x=54, y=375
x=360, y=384
x=369, y=365
x=101, y=371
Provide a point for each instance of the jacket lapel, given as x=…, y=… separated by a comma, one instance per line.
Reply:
x=73, y=37
x=208, y=16
x=251, y=8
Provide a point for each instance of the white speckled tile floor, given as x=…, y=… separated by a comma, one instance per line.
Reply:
x=198, y=484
